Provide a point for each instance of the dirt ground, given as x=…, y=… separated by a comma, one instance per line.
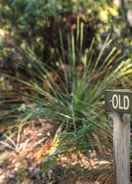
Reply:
x=21, y=159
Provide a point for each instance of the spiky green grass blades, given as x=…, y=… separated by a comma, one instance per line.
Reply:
x=71, y=91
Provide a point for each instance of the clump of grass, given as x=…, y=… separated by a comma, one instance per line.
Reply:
x=71, y=94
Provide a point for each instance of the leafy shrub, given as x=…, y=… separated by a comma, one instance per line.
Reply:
x=38, y=23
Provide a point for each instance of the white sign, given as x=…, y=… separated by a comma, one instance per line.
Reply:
x=118, y=101
x=122, y=103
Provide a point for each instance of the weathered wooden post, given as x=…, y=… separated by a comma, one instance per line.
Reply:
x=119, y=107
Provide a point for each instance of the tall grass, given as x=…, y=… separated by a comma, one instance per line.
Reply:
x=71, y=92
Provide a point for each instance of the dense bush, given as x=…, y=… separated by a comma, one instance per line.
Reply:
x=38, y=24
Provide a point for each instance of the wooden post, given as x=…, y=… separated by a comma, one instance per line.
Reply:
x=119, y=106
x=121, y=147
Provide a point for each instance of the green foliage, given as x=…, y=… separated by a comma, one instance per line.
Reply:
x=30, y=23
x=63, y=70
x=70, y=93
